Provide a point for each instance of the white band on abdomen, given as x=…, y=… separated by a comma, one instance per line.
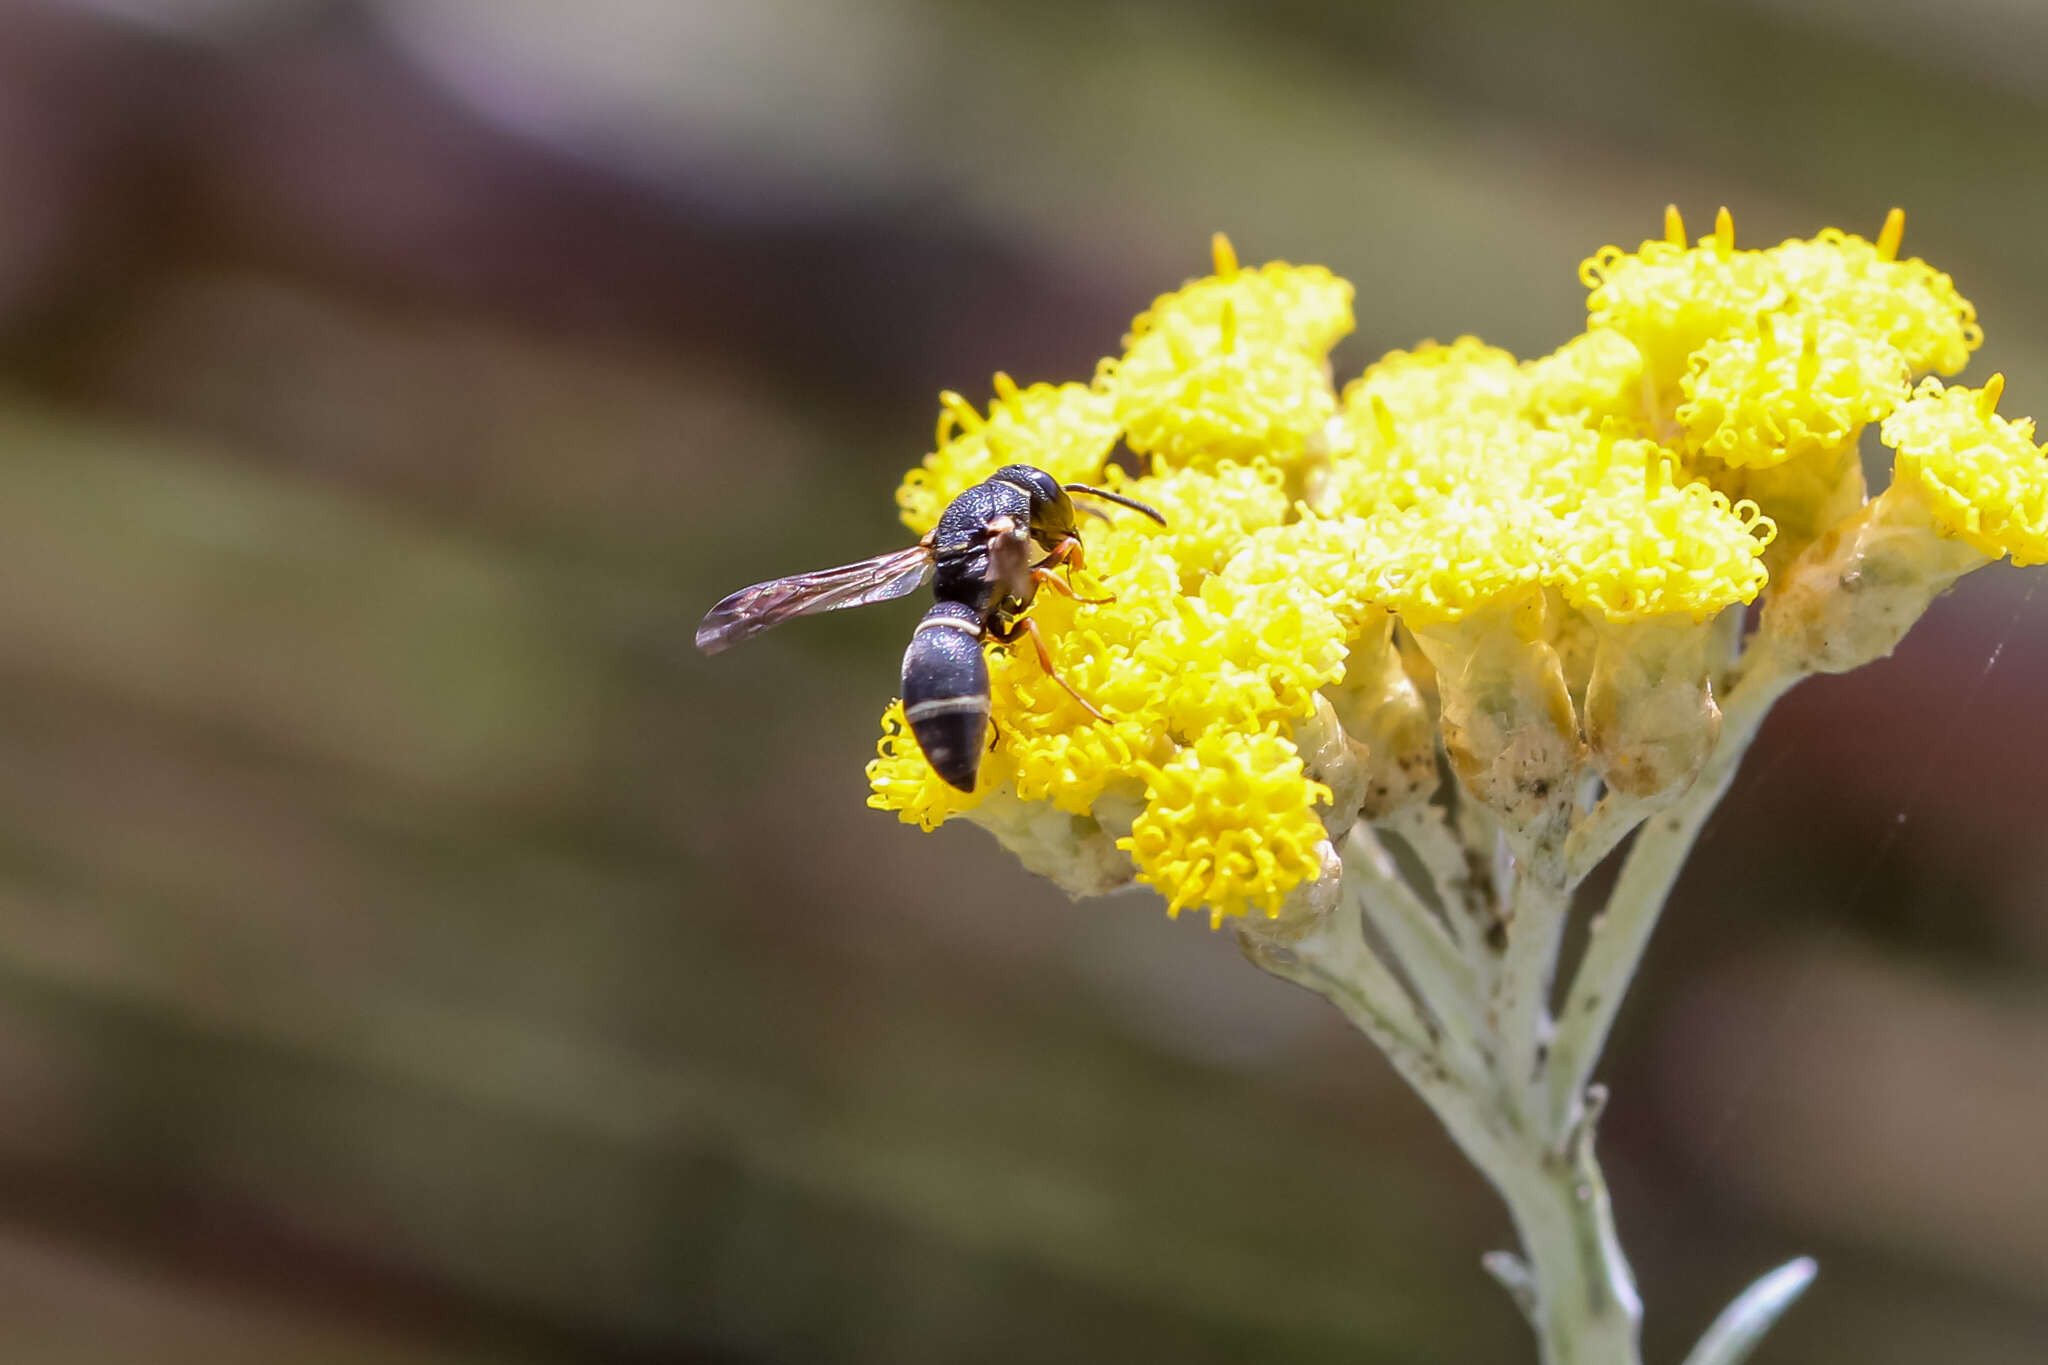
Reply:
x=944, y=706
x=951, y=623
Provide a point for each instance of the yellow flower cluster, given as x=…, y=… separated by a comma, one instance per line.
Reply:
x=1984, y=477
x=1795, y=387
x=1203, y=837
x=1475, y=479
x=1760, y=368
x=1232, y=368
x=1067, y=430
x=1612, y=484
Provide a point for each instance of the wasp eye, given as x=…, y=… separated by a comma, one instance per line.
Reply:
x=1043, y=487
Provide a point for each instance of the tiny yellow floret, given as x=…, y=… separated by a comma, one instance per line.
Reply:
x=1891, y=235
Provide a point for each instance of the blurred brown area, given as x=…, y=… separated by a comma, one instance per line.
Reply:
x=411, y=951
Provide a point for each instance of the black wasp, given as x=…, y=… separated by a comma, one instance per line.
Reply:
x=982, y=563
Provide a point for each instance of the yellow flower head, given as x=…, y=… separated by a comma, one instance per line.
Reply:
x=901, y=780
x=1595, y=377
x=1450, y=558
x=1228, y=824
x=1300, y=307
x=1067, y=430
x=1598, y=498
x=1983, y=475
x=1909, y=305
x=1797, y=386
x=1464, y=379
x=1232, y=367
x=1670, y=299
x=1661, y=548
x=1190, y=394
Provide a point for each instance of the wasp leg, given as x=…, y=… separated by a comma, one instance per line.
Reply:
x=1046, y=578
x=1067, y=552
x=1030, y=627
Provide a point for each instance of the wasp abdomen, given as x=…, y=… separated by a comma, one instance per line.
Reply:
x=945, y=691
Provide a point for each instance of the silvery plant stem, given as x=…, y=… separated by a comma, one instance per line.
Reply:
x=1621, y=932
x=1467, y=1024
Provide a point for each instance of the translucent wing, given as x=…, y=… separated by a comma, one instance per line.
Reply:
x=750, y=611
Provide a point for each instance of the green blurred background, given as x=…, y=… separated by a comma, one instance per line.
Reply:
x=412, y=951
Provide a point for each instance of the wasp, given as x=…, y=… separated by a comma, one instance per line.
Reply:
x=994, y=547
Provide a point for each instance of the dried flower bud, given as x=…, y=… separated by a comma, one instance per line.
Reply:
x=1508, y=723
x=1855, y=592
x=1651, y=720
x=1381, y=708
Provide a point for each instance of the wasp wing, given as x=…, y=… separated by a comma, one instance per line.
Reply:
x=750, y=611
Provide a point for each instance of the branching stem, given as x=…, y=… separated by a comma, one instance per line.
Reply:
x=1463, y=1012
x=1622, y=930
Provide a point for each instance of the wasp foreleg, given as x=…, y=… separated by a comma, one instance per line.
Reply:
x=1068, y=553
x=1046, y=578
x=1005, y=633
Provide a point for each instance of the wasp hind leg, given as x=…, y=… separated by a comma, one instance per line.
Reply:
x=1005, y=634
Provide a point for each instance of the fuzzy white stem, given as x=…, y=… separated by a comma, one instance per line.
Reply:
x=1622, y=931
x=1467, y=1024
x=1427, y=955
x=1601, y=832
x=1576, y=1289
x=1586, y=1311
x=1336, y=962
x=1461, y=883
x=1519, y=1009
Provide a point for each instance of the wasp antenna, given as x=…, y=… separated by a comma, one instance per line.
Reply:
x=1117, y=498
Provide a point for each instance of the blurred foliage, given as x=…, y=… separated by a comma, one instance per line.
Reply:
x=410, y=951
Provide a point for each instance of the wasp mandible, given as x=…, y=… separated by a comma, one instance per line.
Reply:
x=985, y=566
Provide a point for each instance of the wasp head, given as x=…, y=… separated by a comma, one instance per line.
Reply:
x=1052, y=511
